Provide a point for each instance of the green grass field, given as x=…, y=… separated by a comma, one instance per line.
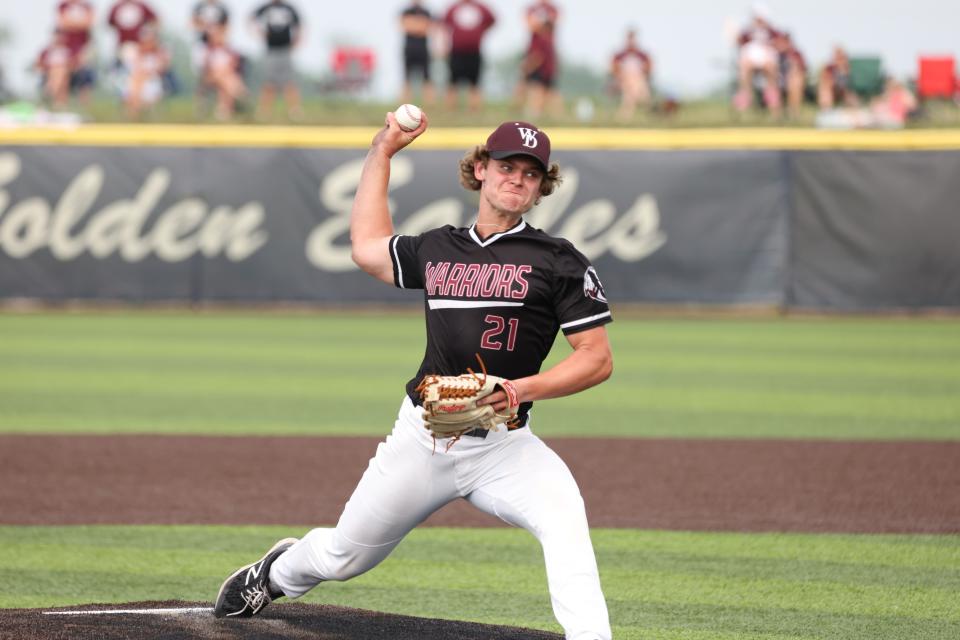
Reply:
x=325, y=374
x=669, y=585
x=271, y=374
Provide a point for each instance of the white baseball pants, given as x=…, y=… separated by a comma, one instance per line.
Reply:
x=510, y=474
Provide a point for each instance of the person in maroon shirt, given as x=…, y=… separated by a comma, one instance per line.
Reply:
x=74, y=22
x=127, y=18
x=540, y=62
x=467, y=21
x=631, y=69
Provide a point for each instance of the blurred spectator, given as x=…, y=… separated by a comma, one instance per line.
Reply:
x=833, y=86
x=416, y=24
x=467, y=22
x=206, y=15
x=540, y=61
x=890, y=110
x=56, y=64
x=5, y=94
x=792, y=72
x=221, y=72
x=148, y=64
x=278, y=23
x=894, y=106
x=757, y=56
x=631, y=70
x=127, y=18
x=74, y=22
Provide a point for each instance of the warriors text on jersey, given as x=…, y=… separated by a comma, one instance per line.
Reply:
x=503, y=297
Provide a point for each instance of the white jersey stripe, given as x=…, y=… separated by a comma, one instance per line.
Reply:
x=396, y=261
x=470, y=304
x=574, y=323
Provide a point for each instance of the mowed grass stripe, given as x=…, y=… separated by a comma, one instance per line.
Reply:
x=648, y=366
x=563, y=419
x=325, y=414
x=867, y=332
x=318, y=417
x=794, y=402
x=659, y=584
x=727, y=407
x=281, y=381
x=926, y=336
x=246, y=373
x=206, y=415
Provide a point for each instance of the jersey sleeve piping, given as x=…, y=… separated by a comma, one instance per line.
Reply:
x=397, y=269
x=586, y=323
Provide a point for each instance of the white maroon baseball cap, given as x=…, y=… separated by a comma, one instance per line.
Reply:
x=519, y=139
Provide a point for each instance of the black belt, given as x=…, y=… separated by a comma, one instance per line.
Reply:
x=482, y=433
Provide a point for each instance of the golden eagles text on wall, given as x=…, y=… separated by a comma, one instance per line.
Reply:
x=779, y=217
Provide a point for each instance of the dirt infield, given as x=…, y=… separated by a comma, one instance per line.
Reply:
x=732, y=485
x=288, y=621
x=720, y=485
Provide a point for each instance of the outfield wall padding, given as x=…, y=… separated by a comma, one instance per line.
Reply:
x=830, y=229
x=874, y=230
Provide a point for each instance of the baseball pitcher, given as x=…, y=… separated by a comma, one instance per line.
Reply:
x=497, y=292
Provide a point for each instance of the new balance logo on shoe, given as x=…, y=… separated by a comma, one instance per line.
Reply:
x=247, y=590
x=254, y=571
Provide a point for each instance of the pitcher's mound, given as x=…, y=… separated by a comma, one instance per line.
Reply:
x=176, y=620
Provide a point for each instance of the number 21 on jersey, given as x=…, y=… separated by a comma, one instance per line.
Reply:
x=492, y=338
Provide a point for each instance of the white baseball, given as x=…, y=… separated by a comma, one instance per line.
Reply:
x=408, y=116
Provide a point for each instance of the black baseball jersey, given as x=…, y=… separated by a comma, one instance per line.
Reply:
x=412, y=43
x=503, y=297
x=280, y=21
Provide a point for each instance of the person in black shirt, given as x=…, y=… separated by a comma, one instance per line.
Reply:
x=416, y=23
x=499, y=288
x=206, y=15
x=278, y=23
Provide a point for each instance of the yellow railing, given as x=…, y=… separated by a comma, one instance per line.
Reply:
x=463, y=138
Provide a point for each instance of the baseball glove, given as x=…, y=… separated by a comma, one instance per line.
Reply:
x=450, y=406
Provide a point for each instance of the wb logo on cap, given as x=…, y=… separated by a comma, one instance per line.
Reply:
x=529, y=137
